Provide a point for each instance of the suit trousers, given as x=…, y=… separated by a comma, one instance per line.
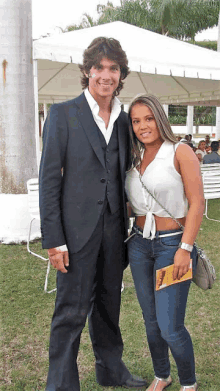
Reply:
x=91, y=287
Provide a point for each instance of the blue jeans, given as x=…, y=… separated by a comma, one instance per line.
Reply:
x=164, y=310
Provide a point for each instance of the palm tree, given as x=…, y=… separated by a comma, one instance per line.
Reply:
x=18, y=144
x=176, y=18
x=167, y=15
x=87, y=21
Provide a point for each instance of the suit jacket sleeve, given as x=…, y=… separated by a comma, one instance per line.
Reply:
x=55, y=137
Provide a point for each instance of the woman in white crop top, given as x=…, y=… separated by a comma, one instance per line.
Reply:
x=171, y=172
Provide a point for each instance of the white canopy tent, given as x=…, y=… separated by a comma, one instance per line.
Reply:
x=175, y=71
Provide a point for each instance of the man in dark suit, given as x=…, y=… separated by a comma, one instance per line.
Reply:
x=83, y=219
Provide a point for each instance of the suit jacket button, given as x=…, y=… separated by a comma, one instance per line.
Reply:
x=100, y=202
x=103, y=180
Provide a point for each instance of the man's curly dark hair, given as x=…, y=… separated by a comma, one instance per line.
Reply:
x=100, y=48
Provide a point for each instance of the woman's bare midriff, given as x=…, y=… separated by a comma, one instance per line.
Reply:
x=162, y=223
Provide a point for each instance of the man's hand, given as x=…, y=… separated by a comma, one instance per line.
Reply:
x=58, y=259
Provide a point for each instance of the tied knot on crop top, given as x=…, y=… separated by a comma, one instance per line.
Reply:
x=164, y=182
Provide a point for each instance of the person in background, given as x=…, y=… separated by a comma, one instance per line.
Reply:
x=201, y=152
x=190, y=139
x=185, y=140
x=207, y=140
x=219, y=147
x=83, y=219
x=171, y=172
x=208, y=149
x=212, y=157
x=191, y=146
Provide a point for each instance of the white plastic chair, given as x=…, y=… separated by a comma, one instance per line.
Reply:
x=211, y=185
x=210, y=167
x=33, y=204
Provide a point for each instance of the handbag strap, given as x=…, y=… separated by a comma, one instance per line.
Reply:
x=145, y=187
x=180, y=225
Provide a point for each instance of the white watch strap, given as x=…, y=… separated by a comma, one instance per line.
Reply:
x=185, y=246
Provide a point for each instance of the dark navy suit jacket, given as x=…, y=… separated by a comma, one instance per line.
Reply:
x=71, y=204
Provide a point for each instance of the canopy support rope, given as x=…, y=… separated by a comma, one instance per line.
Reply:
x=173, y=77
x=139, y=75
x=60, y=70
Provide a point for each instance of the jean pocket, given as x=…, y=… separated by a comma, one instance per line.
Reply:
x=171, y=241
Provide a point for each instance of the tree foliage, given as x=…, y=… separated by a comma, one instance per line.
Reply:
x=212, y=45
x=181, y=19
x=133, y=12
x=87, y=21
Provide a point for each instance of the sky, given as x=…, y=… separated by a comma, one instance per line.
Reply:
x=48, y=15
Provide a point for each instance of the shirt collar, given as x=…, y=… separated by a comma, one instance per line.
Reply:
x=94, y=105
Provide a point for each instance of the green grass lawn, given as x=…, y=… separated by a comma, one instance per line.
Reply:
x=26, y=313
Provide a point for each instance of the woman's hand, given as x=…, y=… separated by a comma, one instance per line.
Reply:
x=182, y=262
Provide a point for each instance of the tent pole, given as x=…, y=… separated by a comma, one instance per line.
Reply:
x=166, y=109
x=36, y=112
x=217, y=133
x=45, y=111
x=189, y=121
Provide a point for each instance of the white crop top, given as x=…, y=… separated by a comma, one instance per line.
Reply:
x=164, y=182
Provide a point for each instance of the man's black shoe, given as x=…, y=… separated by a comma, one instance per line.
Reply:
x=135, y=383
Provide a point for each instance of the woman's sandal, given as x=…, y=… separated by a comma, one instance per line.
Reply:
x=158, y=382
x=194, y=387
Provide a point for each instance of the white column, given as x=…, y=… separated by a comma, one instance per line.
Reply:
x=18, y=161
x=45, y=111
x=189, y=121
x=17, y=117
x=166, y=109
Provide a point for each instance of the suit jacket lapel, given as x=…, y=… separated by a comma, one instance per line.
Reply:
x=89, y=126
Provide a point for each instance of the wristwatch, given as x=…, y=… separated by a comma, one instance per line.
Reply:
x=185, y=246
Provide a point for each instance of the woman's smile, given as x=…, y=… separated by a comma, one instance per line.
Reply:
x=144, y=125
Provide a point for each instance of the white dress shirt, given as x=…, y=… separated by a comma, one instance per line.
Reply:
x=115, y=111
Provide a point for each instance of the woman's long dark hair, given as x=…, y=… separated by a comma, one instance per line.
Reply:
x=166, y=133
x=100, y=48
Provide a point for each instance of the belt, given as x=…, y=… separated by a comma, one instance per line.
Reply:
x=137, y=231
